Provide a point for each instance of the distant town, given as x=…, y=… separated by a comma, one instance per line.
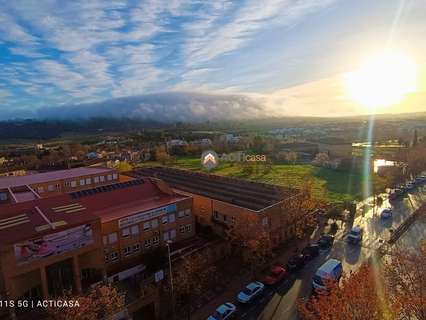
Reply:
x=137, y=214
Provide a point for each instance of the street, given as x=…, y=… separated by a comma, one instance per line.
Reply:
x=279, y=302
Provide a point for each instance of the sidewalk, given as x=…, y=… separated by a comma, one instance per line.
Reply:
x=239, y=281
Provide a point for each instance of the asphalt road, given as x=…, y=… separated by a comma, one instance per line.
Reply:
x=279, y=302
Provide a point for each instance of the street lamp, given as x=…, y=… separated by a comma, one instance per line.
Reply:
x=168, y=243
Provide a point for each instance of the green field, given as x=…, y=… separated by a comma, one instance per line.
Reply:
x=328, y=184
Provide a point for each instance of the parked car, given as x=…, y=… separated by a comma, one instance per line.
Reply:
x=355, y=235
x=410, y=186
x=331, y=270
x=223, y=312
x=275, y=275
x=310, y=251
x=386, y=213
x=251, y=291
x=295, y=262
x=326, y=241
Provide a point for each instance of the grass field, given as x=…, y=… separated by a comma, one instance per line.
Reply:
x=328, y=184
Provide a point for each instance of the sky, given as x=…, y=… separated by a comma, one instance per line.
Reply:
x=221, y=58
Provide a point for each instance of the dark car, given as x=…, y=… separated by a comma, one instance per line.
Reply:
x=310, y=251
x=296, y=262
x=326, y=241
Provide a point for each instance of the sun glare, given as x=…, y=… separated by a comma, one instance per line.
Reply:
x=382, y=81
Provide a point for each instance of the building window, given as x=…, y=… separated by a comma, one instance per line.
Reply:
x=147, y=225
x=127, y=251
x=135, y=230
x=182, y=228
x=148, y=243
x=88, y=180
x=216, y=215
x=156, y=241
x=164, y=220
x=114, y=176
x=112, y=237
x=57, y=186
x=68, y=184
x=50, y=187
x=224, y=218
x=166, y=236
x=172, y=233
x=136, y=247
x=102, y=178
x=265, y=221
x=3, y=196
x=187, y=212
x=233, y=219
x=105, y=240
x=96, y=179
x=73, y=184
x=109, y=177
x=172, y=218
x=106, y=258
x=82, y=182
x=188, y=228
x=154, y=224
x=125, y=232
x=113, y=256
x=181, y=214
x=40, y=189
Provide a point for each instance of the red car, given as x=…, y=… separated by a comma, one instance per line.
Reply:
x=275, y=275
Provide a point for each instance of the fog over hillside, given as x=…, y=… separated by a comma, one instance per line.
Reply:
x=165, y=107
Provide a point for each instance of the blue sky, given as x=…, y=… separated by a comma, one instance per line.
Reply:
x=283, y=53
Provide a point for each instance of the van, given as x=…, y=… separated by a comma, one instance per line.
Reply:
x=331, y=270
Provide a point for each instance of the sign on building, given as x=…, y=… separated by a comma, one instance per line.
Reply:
x=53, y=244
x=146, y=215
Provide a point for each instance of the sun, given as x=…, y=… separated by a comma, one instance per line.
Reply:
x=382, y=81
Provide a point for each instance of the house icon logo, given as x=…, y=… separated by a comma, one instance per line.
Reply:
x=209, y=159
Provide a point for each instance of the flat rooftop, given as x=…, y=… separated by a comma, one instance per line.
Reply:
x=247, y=194
x=10, y=182
x=27, y=220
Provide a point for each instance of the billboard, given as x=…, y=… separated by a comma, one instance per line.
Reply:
x=53, y=244
x=146, y=215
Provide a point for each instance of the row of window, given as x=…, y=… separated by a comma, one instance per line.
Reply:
x=231, y=220
x=134, y=230
x=153, y=224
x=148, y=243
x=81, y=182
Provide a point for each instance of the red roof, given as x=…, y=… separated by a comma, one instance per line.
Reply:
x=108, y=205
x=9, y=182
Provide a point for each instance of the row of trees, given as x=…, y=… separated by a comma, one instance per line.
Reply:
x=395, y=289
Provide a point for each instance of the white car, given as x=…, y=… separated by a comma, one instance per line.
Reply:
x=223, y=312
x=355, y=235
x=250, y=292
x=386, y=213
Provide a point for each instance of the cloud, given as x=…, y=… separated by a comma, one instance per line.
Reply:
x=166, y=107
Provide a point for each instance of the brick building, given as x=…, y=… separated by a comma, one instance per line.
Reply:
x=219, y=202
x=15, y=189
x=75, y=240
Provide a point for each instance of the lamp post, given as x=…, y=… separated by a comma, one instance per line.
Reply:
x=168, y=243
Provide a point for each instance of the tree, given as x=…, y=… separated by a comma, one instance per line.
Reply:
x=299, y=209
x=321, y=158
x=250, y=239
x=99, y=303
x=356, y=298
x=291, y=157
x=192, y=275
x=405, y=272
